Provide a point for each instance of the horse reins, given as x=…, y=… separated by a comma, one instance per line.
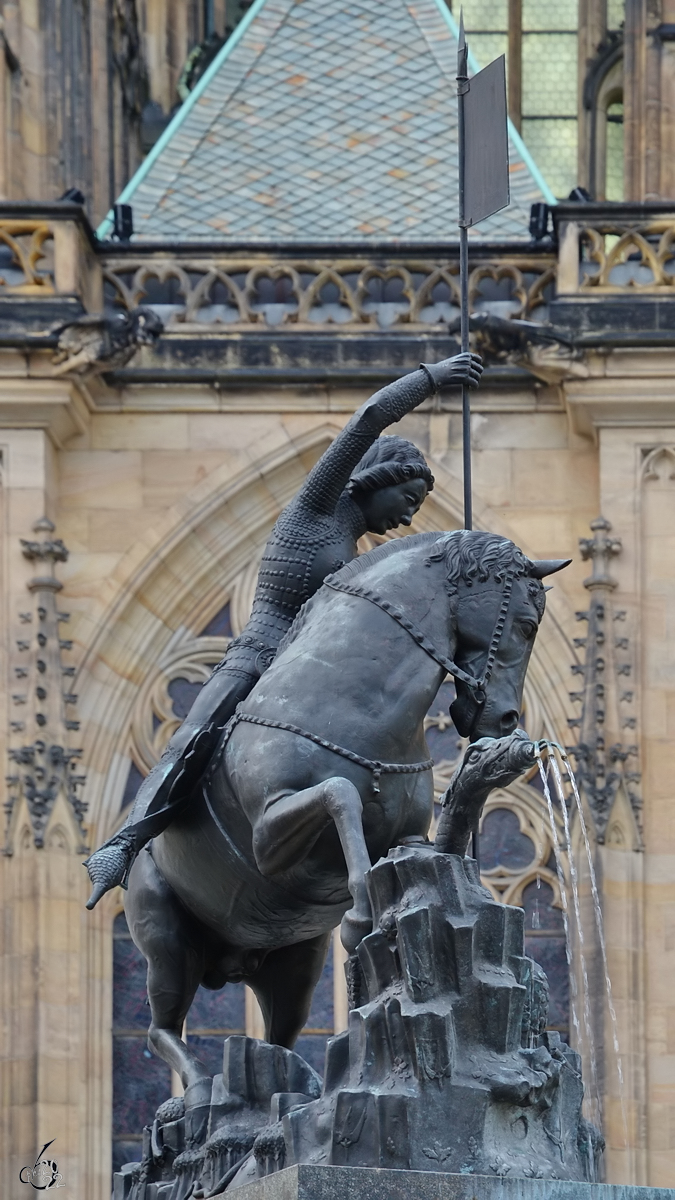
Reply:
x=377, y=768
x=477, y=686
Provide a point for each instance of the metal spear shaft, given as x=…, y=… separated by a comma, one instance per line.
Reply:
x=462, y=89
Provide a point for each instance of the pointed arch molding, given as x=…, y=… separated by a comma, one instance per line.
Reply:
x=173, y=581
x=656, y=459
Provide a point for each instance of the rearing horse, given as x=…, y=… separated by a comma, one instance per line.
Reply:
x=324, y=770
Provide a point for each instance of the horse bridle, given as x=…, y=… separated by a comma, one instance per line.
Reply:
x=476, y=686
x=375, y=766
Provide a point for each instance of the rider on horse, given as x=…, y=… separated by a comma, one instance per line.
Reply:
x=361, y=484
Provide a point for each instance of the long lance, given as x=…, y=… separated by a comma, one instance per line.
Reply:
x=487, y=192
x=462, y=89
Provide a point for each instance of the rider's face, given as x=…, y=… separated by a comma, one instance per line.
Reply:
x=387, y=507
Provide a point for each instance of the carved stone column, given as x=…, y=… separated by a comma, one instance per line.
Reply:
x=607, y=768
x=42, y=889
x=606, y=754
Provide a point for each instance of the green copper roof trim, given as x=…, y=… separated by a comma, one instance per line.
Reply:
x=514, y=136
x=224, y=52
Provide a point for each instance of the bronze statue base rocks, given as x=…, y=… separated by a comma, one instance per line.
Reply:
x=446, y=1080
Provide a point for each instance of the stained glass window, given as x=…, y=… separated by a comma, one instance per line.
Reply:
x=548, y=116
x=614, y=175
x=501, y=842
x=320, y=1024
x=553, y=146
x=134, y=781
x=549, y=75
x=213, y=1017
x=616, y=13
x=539, y=14
x=545, y=942
x=220, y=625
x=549, y=90
x=140, y=1080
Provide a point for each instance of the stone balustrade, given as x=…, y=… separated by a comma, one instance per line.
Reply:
x=49, y=250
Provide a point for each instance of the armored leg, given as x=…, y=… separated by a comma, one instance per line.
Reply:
x=171, y=782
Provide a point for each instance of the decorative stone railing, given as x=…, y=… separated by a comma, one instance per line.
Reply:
x=26, y=262
x=50, y=250
x=615, y=249
x=319, y=289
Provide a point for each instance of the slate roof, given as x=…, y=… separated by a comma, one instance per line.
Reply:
x=322, y=120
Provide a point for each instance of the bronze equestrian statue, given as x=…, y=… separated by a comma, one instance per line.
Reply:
x=321, y=771
x=363, y=483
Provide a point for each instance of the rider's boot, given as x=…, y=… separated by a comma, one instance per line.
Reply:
x=109, y=866
x=159, y=798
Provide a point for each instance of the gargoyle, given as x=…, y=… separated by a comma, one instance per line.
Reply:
x=100, y=342
x=540, y=348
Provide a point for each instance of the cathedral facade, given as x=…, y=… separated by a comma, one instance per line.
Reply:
x=284, y=243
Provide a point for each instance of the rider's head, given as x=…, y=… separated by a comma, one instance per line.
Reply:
x=390, y=484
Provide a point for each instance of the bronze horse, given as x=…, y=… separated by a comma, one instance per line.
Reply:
x=322, y=770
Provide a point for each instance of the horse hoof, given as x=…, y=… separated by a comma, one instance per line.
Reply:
x=353, y=929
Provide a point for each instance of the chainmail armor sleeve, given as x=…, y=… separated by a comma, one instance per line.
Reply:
x=327, y=480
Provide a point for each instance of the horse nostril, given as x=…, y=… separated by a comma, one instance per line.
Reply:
x=509, y=721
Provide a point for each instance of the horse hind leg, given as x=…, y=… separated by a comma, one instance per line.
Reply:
x=290, y=825
x=174, y=950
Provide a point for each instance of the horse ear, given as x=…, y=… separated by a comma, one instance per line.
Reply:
x=548, y=566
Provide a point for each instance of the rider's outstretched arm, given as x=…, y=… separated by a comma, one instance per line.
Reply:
x=326, y=481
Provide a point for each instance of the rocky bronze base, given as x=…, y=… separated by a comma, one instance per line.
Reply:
x=446, y=1071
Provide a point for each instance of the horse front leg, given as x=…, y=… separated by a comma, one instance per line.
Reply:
x=289, y=827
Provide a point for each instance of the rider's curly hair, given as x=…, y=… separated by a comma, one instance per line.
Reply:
x=390, y=460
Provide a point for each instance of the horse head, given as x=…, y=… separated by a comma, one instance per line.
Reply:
x=497, y=601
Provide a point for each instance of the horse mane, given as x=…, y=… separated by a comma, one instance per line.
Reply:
x=472, y=556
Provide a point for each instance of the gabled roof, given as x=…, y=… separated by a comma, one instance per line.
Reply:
x=325, y=121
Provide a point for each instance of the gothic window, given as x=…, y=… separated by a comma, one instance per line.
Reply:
x=603, y=105
x=549, y=89
x=321, y=1022
x=614, y=150
x=140, y=1080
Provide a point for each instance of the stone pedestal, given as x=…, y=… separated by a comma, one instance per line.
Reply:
x=370, y=1183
